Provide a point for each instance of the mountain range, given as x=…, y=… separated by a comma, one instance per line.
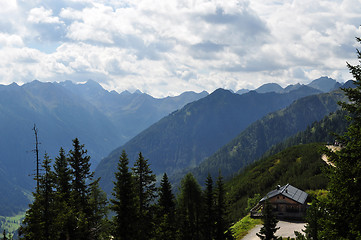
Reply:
x=323, y=84
x=102, y=121
x=175, y=133
x=185, y=138
x=272, y=129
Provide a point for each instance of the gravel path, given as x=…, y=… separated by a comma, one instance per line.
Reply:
x=286, y=230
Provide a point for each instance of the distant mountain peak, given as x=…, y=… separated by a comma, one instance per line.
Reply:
x=242, y=91
x=324, y=84
x=92, y=83
x=125, y=93
x=269, y=87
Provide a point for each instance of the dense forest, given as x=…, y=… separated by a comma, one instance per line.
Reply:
x=68, y=203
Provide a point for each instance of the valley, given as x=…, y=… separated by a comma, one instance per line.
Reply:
x=205, y=133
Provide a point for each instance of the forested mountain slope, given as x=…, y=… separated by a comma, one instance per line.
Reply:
x=274, y=128
x=186, y=137
x=297, y=161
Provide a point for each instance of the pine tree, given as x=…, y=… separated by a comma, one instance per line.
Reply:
x=269, y=227
x=166, y=211
x=209, y=211
x=66, y=223
x=190, y=203
x=146, y=192
x=221, y=226
x=98, y=216
x=80, y=189
x=312, y=218
x=80, y=165
x=343, y=207
x=39, y=219
x=124, y=202
x=4, y=235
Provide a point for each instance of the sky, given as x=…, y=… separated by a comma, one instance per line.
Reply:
x=166, y=47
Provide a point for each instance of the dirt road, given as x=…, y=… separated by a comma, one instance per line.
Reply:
x=287, y=229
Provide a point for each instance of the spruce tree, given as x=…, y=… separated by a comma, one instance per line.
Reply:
x=166, y=227
x=209, y=211
x=99, y=211
x=124, y=202
x=343, y=219
x=269, y=227
x=221, y=226
x=66, y=223
x=39, y=222
x=190, y=204
x=146, y=193
x=80, y=190
x=312, y=218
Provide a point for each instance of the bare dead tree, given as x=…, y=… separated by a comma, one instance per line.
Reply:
x=36, y=150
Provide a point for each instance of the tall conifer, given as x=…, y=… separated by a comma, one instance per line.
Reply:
x=65, y=218
x=124, y=202
x=190, y=211
x=146, y=193
x=80, y=189
x=166, y=227
x=209, y=211
x=343, y=219
x=220, y=210
x=39, y=219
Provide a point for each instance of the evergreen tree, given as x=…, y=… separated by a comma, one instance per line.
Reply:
x=166, y=211
x=209, y=211
x=80, y=189
x=269, y=227
x=343, y=207
x=98, y=216
x=39, y=219
x=221, y=226
x=146, y=192
x=4, y=235
x=190, y=203
x=66, y=223
x=80, y=165
x=124, y=202
x=312, y=218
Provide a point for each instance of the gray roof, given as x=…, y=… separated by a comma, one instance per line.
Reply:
x=288, y=191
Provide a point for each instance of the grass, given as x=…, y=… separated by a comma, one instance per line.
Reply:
x=243, y=226
x=11, y=224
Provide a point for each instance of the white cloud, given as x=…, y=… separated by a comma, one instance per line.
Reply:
x=10, y=40
x=166, y=47
x=42, y=15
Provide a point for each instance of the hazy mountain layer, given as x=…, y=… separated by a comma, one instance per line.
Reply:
x=186, y=137
x=100, y=119
x=274, y=128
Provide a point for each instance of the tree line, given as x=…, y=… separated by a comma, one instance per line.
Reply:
x=69, y=204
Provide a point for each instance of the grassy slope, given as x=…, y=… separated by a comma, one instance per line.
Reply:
x=11, y=224
x=243, y=226
x=301, y=166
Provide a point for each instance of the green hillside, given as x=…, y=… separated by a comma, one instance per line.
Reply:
x=186, y=137
x=295, y=160
x=301, y=166
x=273, y=129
